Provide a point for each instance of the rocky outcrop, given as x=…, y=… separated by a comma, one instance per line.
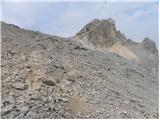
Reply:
x=100, y=33
x=150, y=46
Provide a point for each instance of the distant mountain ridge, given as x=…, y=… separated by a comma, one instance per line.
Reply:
x=103, y=33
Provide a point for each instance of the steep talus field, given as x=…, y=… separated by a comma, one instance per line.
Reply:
x=98, y=73
x=124, y=52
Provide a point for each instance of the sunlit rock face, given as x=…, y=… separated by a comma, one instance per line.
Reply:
x=100, y=34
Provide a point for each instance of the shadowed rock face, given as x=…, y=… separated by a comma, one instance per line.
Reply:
x=45, y=76
x=150, y=46
x=100, y=33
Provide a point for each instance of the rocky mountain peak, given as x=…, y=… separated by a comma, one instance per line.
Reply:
x=100, y=33
x=150, y=45
x=103, y=21
x=95, y=20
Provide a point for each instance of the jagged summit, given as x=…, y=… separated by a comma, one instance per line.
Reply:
x=103, y=36
x=100, y=33
x=150, y=45
x=109, y=20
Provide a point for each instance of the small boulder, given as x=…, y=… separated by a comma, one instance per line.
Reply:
x=35, y=96
x=51, y=82
x=19, y=86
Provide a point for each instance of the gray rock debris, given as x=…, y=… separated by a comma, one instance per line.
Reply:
x=8, y=103
x=48, y=77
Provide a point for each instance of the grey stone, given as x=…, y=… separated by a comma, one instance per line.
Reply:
x=7, y=109
x=23, y=109
x=51, y=82
x=20, y=86
x=8, y=99
x=35, y=96
x=8, y=103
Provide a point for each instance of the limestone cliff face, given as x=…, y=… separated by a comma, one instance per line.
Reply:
x=100, y=34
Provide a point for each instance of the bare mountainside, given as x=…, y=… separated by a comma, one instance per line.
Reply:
x=98, y=73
